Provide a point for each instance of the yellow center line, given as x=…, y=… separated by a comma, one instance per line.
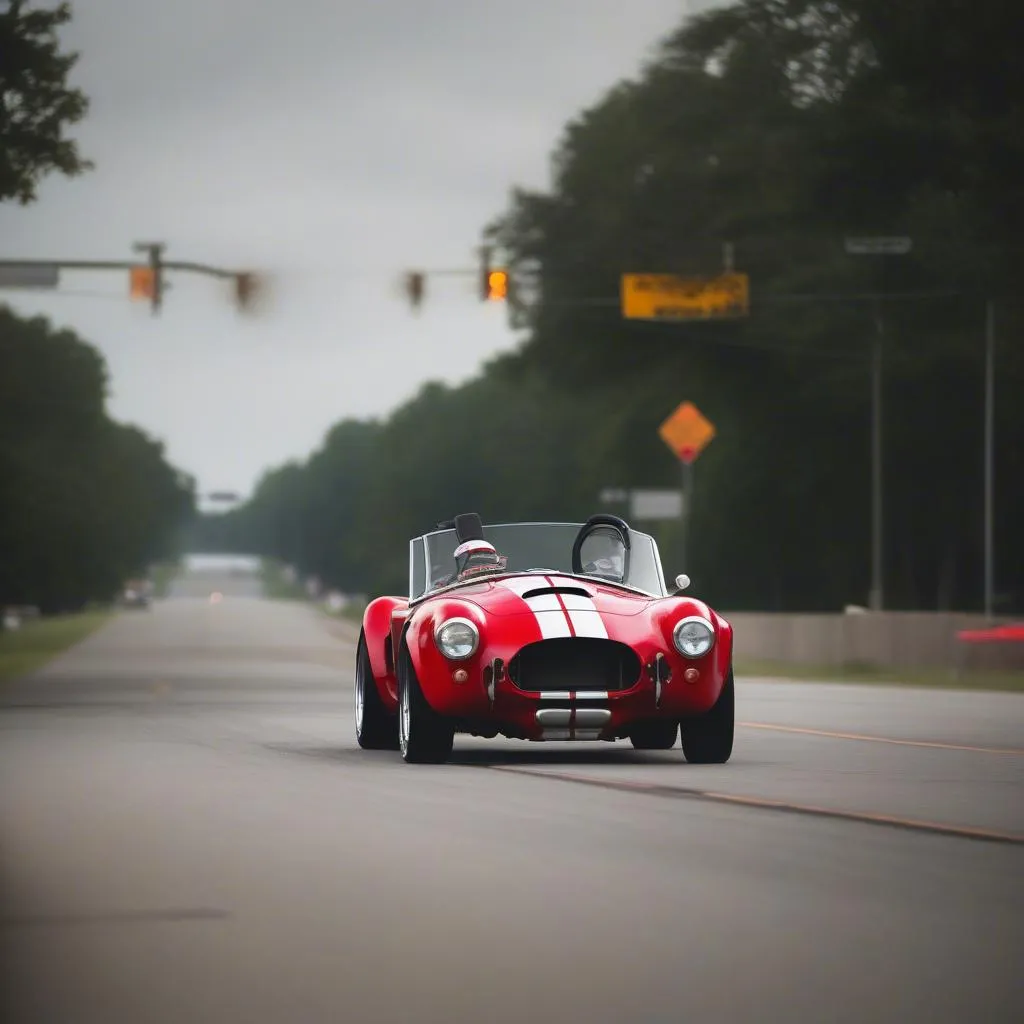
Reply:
x=765, y=803
x=881, y=739
x=916, y=824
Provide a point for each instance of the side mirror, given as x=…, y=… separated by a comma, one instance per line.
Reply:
x=682, y=581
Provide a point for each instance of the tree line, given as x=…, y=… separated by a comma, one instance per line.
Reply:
x=781, y=127
x=87, y=502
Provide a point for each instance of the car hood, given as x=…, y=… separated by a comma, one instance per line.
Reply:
x=508, y=595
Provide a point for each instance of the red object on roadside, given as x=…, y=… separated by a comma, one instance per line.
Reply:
x=997, y=634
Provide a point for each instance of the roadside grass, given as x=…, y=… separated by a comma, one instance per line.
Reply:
x=37, y=641
x=935, y=678
x=277, y=586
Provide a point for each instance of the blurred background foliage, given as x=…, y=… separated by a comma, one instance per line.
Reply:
x=780, y=126
x=87, y=502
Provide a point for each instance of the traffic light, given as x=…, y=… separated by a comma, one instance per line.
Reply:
x=494, y=282
x=497, y=285
x=141, y=283
x=415, y=287
x=245, y=290
x=147, y=282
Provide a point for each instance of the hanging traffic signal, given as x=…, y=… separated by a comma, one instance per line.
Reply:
x=141, y=283
x=415, y=287
x=497, y=285
x=494, y=283
x=147, y=282
x=245, y=290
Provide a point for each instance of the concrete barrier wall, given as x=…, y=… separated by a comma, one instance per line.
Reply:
x=869, y=639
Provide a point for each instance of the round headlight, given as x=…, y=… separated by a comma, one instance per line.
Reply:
x=693, y=637
x=457, y=639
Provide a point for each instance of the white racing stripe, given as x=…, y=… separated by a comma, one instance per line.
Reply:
x=586, y=619
x=560, y=615
x=549, y=615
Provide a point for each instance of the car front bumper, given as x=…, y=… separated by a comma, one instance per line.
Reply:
x=484, y=700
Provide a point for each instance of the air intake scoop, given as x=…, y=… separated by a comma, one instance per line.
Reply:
x=541, y=591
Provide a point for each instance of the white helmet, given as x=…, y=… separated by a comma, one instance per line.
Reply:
x=478, y=556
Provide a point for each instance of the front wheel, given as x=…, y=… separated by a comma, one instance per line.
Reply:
x=375, y=728
x=424, y=736
x=707, y=739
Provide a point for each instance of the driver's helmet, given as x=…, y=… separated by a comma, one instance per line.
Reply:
x=477, y=556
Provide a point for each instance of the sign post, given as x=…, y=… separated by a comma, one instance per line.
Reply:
x=686, y=432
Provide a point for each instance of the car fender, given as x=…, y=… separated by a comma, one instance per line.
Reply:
x=433, y=670
x=722, y=652
x=717, y=663
x=377, y=631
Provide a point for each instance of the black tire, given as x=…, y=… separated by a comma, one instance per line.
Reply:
x=707, y=739
x=655, y=734
x=424, y=736
x=375, y=728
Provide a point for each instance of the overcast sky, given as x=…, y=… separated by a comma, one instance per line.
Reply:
x=336, y=142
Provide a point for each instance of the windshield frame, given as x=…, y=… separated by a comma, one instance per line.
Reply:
x=420, y=570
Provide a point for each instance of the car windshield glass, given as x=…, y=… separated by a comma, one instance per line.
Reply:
x=541, y=546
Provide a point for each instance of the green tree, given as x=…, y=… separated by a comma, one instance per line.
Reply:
x=37, y=104
x=87, y=501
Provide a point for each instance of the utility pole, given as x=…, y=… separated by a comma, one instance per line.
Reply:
x=877, y=246
x=877, y=477
x=990, y=346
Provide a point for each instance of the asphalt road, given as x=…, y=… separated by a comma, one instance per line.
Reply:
x=189, y=833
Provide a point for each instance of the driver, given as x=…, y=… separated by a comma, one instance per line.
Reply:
x=477, y=557
x=473, y=558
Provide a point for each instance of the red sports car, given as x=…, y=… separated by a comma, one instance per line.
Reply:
x=542, y=631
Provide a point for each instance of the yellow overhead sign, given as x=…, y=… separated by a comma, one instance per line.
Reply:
x=670, y=297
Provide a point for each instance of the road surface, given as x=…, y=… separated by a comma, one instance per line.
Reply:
x=189, y=833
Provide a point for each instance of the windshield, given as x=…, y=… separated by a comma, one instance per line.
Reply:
x=538, y=546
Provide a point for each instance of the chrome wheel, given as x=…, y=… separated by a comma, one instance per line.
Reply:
x=404, y=717
x=360, y=697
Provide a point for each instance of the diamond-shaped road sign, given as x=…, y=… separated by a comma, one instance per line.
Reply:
x=687, y=432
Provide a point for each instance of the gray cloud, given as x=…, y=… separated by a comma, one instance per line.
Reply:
x=337, y=143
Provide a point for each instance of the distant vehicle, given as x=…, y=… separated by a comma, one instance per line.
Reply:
x=542, y=631
x=137, y=594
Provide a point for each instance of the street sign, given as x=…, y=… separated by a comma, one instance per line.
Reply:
x=687, y=432
x=879, y=246
x=670, y=297
x=652, y=505
x=25, y=275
